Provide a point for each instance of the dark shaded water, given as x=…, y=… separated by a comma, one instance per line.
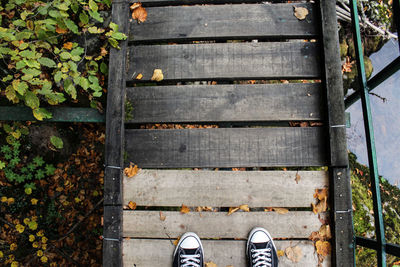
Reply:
x=386, y=117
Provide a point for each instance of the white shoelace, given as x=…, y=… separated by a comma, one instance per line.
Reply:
x=262, y=257
x=190, y=260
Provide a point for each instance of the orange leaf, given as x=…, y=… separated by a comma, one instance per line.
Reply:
x=244, y=208
x=67, y=45
x=135, y=5
x=321, y=193
x=323, y=247
x=185, y=209
x=176, y=241
x=61, y=31
x=139, y=76
x=232, y=210
x=162, y=216
x=281, y=210
x=139, y=13
x=211, y=264
x=280, y=253
x=103, y=51
x=132, y=205
x=297, y=179
x=131, y=170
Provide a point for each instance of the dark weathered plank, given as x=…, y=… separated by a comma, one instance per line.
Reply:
x=201, y=103
x=224, y=22
x=224, y=147
x=223, y=188
x=158, y=253
x=294, y=59
x=196, y=2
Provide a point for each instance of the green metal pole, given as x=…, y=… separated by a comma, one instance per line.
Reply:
x=369, y=133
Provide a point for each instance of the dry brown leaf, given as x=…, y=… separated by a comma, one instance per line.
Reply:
x=211, y=264
x=232, y=210
x=300, y=12
x=229, y=265
x=320, y=207
x=185, y=209
x=135, y=5
x=132, y=205
x=61, y=31
x=131, y=170
x=67, y=45
x=162, y=216
x=321, y=193
x=176, y=241
x=298, y=177
x=325, y=231
x=244, y=207
x=294, y=253
x=267, y=209
x=323, y=247
x=315, y=236
x=280, y=253
x=139, y=13
x=281, y=210
x=103, y=51
x=139, y=76
x=157, y=75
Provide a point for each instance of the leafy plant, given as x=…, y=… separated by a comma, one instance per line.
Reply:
x=42, y=67
x=57, y=142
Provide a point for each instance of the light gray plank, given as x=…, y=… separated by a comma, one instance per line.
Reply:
x=223, y=188
x=224, y=21
x=227, y=147
x=263, y=60
x=214, y=103
x=296, y=224
x=158, y=253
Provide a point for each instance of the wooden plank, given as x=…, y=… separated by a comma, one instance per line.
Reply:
x=226, y=147
x=296, y=224
x=223, y=188
x=269, y=60
x=158, y=253
x=196, y=2
x=244, y=21
x=215, y=103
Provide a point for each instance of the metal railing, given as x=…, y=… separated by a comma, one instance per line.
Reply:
x=379, y=244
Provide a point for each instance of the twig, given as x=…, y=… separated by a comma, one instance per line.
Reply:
x=384, y=100
x=78, y=223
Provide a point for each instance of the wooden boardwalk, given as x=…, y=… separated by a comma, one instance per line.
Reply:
x=227, y=42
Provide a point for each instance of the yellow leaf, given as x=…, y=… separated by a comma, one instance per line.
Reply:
x=184, y=209
x=281, y=210
x=300, y=12
x=176, y=241
x=139, y=76
x=157, y=75
x=162, y=216
x=43, y=259
x=294, y=253
x=13, y=246
x=280, y=253
x=325, y=231
x=323, y=247
x=67, y=45
x=131, y=170
x=232, y=210
x=211, y=264
x=132, y=205
x=244, y=208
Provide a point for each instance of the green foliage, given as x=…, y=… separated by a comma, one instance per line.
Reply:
x=39, y=40
x=57, y=142
x=378, y=11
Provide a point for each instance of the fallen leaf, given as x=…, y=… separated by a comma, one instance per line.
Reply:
x=323, y=247
x=267, y=209
x=297, y=179
x=103, y=51
x=67, y=45
x=139, y=76
x=232, y=210
x=321, y=193
x=320, y=207
x=211, y=264
x=132, y=205
x=281, y=210
x=229, y=265
x=162, y=216
x=300, y=12
x=325, y=231
x=135, y=5
x=139, y=13
x=176, y=241
x=131, y=170
x=315, y=236
x=280, y=253
x=185, y=209
x=61, y=31
x=157, y=75
x=244, y=208
x=294, y=253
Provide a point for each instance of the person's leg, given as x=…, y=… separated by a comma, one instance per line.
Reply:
x=189, y=252
x=261, y=250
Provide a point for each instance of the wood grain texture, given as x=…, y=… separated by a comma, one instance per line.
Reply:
x=223, y=188
x=248, y=21
x=226, y=147
x=295, y=59
x=196, y=2
x=296, y=224
x=216, y=103
x=158, y=253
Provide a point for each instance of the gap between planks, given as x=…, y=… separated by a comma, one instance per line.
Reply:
x=223, y=188
x=158, y=253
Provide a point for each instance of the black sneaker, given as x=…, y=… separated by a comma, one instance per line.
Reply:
x=189, y=252
x=261, y=250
